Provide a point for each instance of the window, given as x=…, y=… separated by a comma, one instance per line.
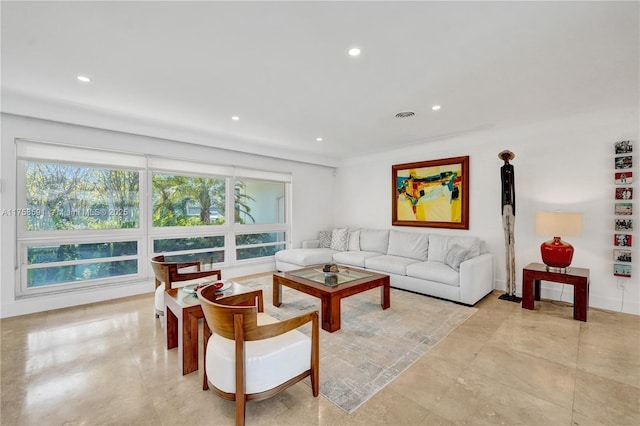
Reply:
x=188, y=200
x=86, y=221
x=73, y=197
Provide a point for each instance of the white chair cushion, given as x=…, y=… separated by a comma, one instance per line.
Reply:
x=159, y=300
x=269, y=362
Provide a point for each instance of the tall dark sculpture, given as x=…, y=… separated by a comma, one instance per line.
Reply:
x=507, y=176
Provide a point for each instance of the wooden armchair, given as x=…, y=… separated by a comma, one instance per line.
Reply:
x=251, y=356
x=168, y=273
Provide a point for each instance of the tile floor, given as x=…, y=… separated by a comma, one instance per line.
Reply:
x=106, y=363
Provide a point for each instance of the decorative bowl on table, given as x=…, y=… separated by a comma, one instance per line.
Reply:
x=220, y=286
x=330, y=270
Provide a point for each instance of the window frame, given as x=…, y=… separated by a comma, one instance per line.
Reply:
x=146, y=233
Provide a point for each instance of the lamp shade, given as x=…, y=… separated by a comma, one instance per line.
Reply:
x=559, y=224
x=557, y=254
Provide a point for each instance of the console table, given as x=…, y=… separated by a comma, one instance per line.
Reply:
x=533, y=273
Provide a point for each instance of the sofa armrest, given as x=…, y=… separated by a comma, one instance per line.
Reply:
x=476, y=278
x=311, y=244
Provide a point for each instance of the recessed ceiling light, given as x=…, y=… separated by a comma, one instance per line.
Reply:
x=318, y=139
x=435, y=107
x=354, y=51
x=235, y=118
x=84, y=79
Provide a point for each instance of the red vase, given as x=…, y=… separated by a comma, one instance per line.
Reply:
x=556, y=253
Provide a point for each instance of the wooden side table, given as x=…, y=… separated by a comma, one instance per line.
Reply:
x=533, y=273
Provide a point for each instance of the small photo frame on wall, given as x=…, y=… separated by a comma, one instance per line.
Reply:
x=624, y=225
x=621, y=270
x=622, y=240
x=622, y=255
x=623, y=178
x=625, y=162
x=624, y=147
x=624, y=193
x=624, y=208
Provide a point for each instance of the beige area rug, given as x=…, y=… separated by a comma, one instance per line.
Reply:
x=373, y=346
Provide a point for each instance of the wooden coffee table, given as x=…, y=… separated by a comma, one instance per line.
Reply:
x=330, y=290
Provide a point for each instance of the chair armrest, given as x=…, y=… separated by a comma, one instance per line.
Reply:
x=185, y=276
x=251, y=298
x=181, y=265
x=271, y=330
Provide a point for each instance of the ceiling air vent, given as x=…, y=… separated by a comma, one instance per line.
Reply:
x=405, y=114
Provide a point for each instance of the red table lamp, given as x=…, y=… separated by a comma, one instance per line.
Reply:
x=557, y=254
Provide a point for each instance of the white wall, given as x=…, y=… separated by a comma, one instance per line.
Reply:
x=311, y=184
x=562, y=165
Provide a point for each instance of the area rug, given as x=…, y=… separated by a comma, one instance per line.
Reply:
x=373, y=346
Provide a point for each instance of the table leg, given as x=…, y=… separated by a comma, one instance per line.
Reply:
x=580, y=300
x=188, y=355
x=385, y=294
x=527, y=291
x=277, y=292
x=331, y=313
x=171, y=326
x=536, y=286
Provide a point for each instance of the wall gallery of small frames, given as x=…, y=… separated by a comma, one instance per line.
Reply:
x=623, y=237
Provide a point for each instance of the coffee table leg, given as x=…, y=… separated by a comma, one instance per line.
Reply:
x=277, y=292
x=331, y=313
x=385, y=294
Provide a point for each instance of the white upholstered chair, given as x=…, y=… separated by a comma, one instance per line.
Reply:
x=252, y=356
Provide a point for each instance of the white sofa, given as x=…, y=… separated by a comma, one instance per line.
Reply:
x=456, y=268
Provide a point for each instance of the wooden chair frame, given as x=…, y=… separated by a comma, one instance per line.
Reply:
x=169, y=272
x=235, y=317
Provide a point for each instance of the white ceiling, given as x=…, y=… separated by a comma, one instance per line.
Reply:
x=182, y=69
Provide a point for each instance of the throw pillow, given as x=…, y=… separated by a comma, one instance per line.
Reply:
x=340, y=239
x=325, y=239
x=455, y=256
x=354, y=241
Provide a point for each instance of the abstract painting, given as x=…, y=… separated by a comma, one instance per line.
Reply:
x=431, y=193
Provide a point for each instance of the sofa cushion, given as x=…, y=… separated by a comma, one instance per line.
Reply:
x=390, y=264
x=376, y=240
x=455, y=256
x=438, y=247
x=306, y=257
x=408, y=244
x=354, y=241
x=353, y=258
x=339, y=239
x=434, y=271
x=325, y=239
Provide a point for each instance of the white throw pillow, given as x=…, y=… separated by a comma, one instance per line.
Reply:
x=325, y=239
x=354, y=241
x=340, y=239
x=455, y=256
